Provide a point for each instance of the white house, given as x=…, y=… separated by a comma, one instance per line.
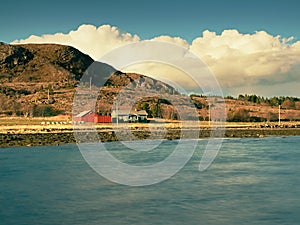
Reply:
x=126, y=116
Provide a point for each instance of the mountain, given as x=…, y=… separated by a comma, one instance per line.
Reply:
x=40, y=80
x=42, y=63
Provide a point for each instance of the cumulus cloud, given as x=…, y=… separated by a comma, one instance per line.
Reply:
x=258, y=63
x=87, y=38
x=234, y=54
x=250, y=61
x=173, y=40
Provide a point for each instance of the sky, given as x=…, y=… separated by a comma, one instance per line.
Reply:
x=250, y=46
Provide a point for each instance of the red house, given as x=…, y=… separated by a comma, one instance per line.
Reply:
x=89, y=116
x=85, y=116
x=102, y=119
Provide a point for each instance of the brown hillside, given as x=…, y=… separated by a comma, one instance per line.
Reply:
x=27, y=72
x=41, y=63
x=40, y=80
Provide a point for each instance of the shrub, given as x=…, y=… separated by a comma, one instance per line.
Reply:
x=239, y=115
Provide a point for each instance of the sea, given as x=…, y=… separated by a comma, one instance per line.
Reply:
x=251, y=181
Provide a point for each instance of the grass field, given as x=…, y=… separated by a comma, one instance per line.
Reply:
x=64, y=124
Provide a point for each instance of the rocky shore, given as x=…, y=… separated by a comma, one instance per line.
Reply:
x=60, y=138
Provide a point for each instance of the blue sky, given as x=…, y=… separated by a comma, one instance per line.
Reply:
x=186, y=19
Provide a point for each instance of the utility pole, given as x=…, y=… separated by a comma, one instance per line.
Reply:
x=209, y=114
x=117, y=113
x=48, y=94
x=90, y=83
x=279, y=117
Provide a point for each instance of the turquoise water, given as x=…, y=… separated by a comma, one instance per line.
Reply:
x=252, y=181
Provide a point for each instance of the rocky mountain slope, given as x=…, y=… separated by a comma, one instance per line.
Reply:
x=40, y=80
x=41, y=63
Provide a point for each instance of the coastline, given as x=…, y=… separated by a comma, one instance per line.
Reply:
x=60, y=134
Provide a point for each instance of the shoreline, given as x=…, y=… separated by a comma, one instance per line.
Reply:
x=61, y=137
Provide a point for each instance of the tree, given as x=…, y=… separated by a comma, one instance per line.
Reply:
x=15, y=107
x=3, y=104
x=239, y=115
x=50, y=89
x=274, y=101
x=272, y=116
x=253, y=98
x=26, y=110
x=229, y=97
x=288, y=104
x=241, y=97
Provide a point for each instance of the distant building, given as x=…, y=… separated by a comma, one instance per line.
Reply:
x=102, y=119
x=89, y=116
x=85, y=116
x=125, y=116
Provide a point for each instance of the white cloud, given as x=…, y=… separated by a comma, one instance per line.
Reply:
x=247, y=62
x=87, y=38
x=173, y=40
x=240, y=60
x=232, y=53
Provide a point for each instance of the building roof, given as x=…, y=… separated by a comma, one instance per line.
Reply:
x=83, y=113
x=122, y=112
x=142, y=112
x=131, y=112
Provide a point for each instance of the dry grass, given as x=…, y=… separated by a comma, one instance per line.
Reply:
x=32, y=121
x=39, y=125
